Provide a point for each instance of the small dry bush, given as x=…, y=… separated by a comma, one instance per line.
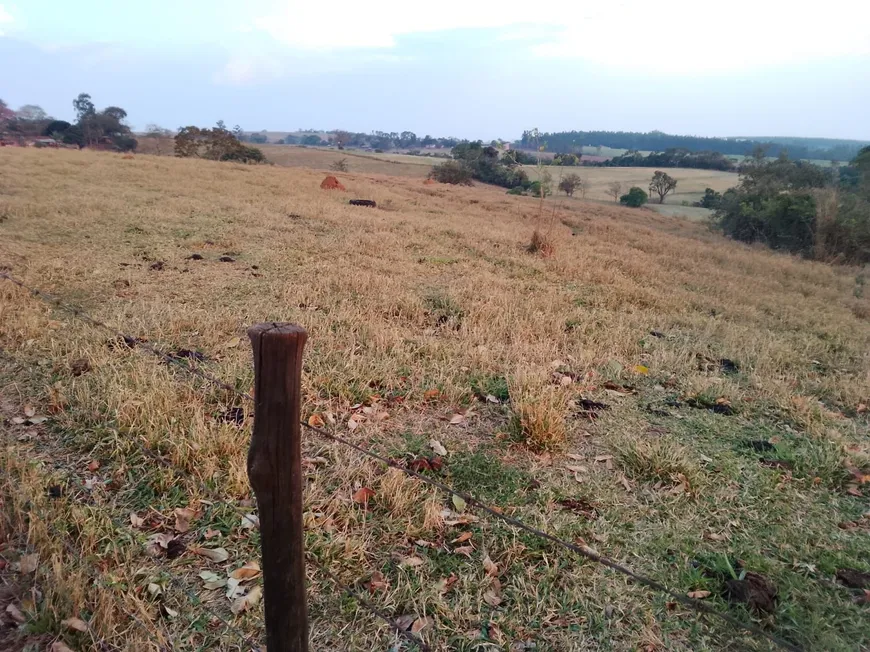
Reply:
x=658, y=460
x=542, y=243
x=538, y=415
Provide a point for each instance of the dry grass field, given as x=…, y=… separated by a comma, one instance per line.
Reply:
x=688, y=406
x=690, y=182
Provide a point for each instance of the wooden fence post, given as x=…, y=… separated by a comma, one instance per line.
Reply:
x=275, y=471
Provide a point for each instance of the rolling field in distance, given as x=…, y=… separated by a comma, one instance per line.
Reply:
x=690, y=182
x=686, y=405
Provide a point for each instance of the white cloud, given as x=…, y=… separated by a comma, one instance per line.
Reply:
x=6, y=19
x=673, y=36
x=249, y=69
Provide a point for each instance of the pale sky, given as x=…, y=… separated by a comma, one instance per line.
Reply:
x=463, y=68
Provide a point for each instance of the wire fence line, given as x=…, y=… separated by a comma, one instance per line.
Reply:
x=584, y=551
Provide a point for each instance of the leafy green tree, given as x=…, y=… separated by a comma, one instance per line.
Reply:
x=312, y=140
x=635, y=197
x=711, y=199
x=661, y=184
x=56, y=129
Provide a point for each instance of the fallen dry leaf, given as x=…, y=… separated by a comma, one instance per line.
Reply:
x=574, y=456
x=234, y=588
x=247, y=601
x=217, y=555
x=247, y=572
x=15, y=613
x=212, y=580
x=210, y=534
x=233, y=343
x=250, y=521
x=59, y=646
x=698, y=595
x=464, y=550
x=457, y=419
x=352, y=424
x=641, y=369
x=436, y=446
x=492, y=399
x=77, y=624
x=419, y=625
x=405, y=621
x=431, y=394
x=28, y=563
x=94, y=465
x=316, y=421
x=377, y=582
x=183, y=516
x=363, y=495
x=445, y=584
x=459, y=503
x=462, y=538
x=490, y=566
x=412, y=562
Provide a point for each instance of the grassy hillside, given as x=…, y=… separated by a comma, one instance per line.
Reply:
x=685, y=405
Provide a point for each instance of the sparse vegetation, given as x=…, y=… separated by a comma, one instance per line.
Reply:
x=341, y=165
x=614, y=189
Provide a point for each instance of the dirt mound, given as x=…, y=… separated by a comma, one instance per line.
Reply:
x=428, y=182
x=331, y=183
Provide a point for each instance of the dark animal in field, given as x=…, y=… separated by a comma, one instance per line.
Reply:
x=363, y=202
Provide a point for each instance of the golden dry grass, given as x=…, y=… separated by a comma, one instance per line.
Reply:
x=415, y=310
x=690, y=182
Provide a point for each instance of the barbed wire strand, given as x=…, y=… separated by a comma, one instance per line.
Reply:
x=583, y=551
x=402, y=632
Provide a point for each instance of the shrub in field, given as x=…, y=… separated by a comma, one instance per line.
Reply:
x=539, y=189
x=340, y=165
x=542, y=243
x=710, y=199
x=218, y=144
x=635, y=197
x=538, y=418
x=453, y=172
x=570, y=183
x=658, y=461
x=518, y=190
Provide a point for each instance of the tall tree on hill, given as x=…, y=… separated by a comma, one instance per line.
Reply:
x=661, y=184
x=83, y=106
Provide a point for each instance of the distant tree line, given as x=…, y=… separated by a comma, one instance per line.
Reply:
x=381, y=140
x=657, y=141
x=799, y=207
x=672, y=158
x=92, y=127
